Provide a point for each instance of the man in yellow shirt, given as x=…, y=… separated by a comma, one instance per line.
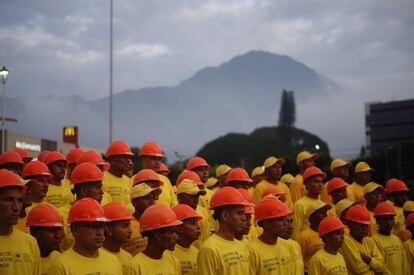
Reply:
x=15, y=245
x=273, y=172
x=221, y=172
x=221, y=253
x=362, y=176
x=12, y=161
x=202, y=169
x=87, y=223
x=360, y=252
x=269, y=253
x=373, y=194
x=159, y=224
x=71, y=159
x=151, y=155
x=397, y=193
x=249, y=232
x=188, y=233
x=327, y=260
x=287, y=179
x=337, y=189
x=46, y=225
x=116, y=183
x=409, y=246
x=257, y=176
x=408, y=208
x=58, y=194
x=339, y=169
x=312, y=178
x=212, y=184
x=304, y=160
x=117, y=231
x=388, y=244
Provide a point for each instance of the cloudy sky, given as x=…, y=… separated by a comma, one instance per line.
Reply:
x=61, y=48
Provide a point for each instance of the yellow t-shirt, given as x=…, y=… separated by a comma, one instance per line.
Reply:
x=408, y=249
x=391, y=250
x=310, y=243
x=324, y=263
x=123, y=256
x=58, y=196
x=72, y=263
x=119, y=188
x=301, y=208
x=46, y=262
x=167, y=196
x=206, y=225
x=67, y=183
x=399, y=227
x=352, y=249
x=297, y=188
x=356, y=193
x=142, y=264
x=19, y=254
x=187, y=258
x=270, y=259
x=298, y=267
x=261, y=186
x=137, y=243
x=222, y=257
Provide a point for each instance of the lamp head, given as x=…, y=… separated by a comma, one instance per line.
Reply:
x=4, y=73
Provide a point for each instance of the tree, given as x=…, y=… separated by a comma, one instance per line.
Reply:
x=287, y=112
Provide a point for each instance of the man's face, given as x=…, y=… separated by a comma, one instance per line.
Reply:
x=202, y=172
x=48, y=238
x=363, y=177
x=90, y=234
x=120, y=231
x=375, y=197
x=399, y=197
x=93, y=190
x=39, y=186
x=289, y=228
x=358, y=231
x=236, y=218
x=247, y=224
x=10, y=205
x=274, y=172
x=339, y=194
x=168, y=237
x=120, y=163
x=190, y=229
x=16, y=168
x=385, y=223
x=317, y=216
x=341, y=172
x=239, y=184
x=314, y=185
x=305, y=164
x=190, y=200
x=151, y=162
x=142, y=203
x=335, y=238
x=58, y=169
x=277, y=226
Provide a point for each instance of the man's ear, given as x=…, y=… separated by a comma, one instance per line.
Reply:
x=108, y=230
x=225, y=215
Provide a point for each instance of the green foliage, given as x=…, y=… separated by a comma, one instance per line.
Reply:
x=287, y=112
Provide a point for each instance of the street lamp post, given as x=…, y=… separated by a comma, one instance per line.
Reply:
x=3, y=73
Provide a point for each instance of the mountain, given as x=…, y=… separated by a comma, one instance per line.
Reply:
x=236, y=96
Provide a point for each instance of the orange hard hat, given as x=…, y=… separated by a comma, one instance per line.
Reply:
x=196, y=162
x=118, y=147
x=86, y=172
x=44, y=215
x=329, y=224
x=359, y=214
x=164, y=168
x=273, y=190
x=35, y=168
x=53, y=157
x=91, y=157
x=409, y=220
x=227, y=196
x=384, y=209
x=23, y=153
x=10, y=157
x=8, y=179
x=146, y=175
x=86, y=210
x=188, y=174
x=313, y=171
x=247, y=209
x=114, y=211
x=270, y=208
x=238, y=174
x=158, y=216
x=183, y=212
x=336, y=183
x=151, y=148
x=73, y=155
x=395, y=185
x=41, y=156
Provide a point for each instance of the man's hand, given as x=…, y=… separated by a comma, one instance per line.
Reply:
x=366, y=258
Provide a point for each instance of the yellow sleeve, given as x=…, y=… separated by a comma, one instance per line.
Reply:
x=207, y=262
x=382, y=252
x=315, y=267
x=377, y=261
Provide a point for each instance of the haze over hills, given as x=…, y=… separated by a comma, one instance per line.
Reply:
x=236, y=96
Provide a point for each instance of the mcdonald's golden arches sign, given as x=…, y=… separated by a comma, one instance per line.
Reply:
x=70, y=134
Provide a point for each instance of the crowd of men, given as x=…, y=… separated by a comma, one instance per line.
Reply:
x=80, y=214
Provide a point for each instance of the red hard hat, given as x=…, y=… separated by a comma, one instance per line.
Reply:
x=10, y=157
x=395, y=185
x=86, y=210
x=164, y=168
x=114, y=211
x=158, y=216
x=73, y=155
x=329, y=224
x=151, y=148
x=227, y=196
x=91, y=157
x=313, y=171
x=42, y=155
x=23, y=153
x=384, y=209
x=359, y=214
x=188, y=174
x=196, y=162
x=247, y=209
x=409, y=220
x=146, y=175
x=119, y=147
x=183, y=212
x=274, y=190
x=35, y=168
x=238, y=174
x=270, y=208
x=86, y=172
x=336, y=183
x=8, y=179
x=44, y=215
x=53, y=157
